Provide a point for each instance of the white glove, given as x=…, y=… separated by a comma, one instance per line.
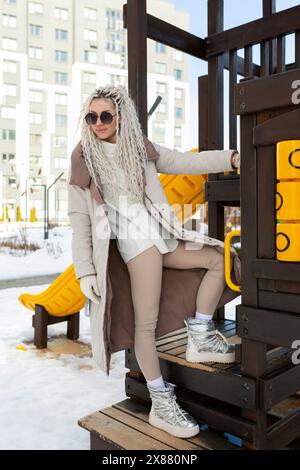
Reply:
x=89, y=287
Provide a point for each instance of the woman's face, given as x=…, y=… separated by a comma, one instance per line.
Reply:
x=104, y=131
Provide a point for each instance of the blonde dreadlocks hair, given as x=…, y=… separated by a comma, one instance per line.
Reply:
x=130, y=153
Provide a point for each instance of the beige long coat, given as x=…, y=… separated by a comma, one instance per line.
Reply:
x=94, y=252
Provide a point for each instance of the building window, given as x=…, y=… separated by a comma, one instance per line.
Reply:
x=12, y=181
x=8, y=112
x=35, y=118
x=90, y=56
x=160, y=67
x=36, y=96
x=60, y=141
x=160, y=48
x=178, y=55
x=61, y=78
x=9, y=90
x=35, y=52
x=60, y=162
x=90, y=14
x=35, y=160
x=114, y=19
x=9, y=66
x=161, y=87
x=90, y=35
x=61, y=34
x=8, y=157
x=178, y=132
x=61, y=13
x=116, y=80
x=178, y=93
x=159, y=127
x=162, y=108
x=9, y=21
x=114, y=43
x=61, y=56
x=35, y=139
x=89, y=77
x=61, y=98
x=9, y=44
x=61, y=119
x=35, y=74
x=36, y=30
x=178, y=74
x=178, y=113
x=8, y=134
x=35, y=8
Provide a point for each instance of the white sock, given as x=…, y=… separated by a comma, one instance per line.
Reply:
x=159, y=382
x=203, y=316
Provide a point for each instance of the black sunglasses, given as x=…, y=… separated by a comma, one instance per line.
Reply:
x=105, y=117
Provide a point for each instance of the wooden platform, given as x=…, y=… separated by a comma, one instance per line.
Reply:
x=125, y=426
x=215, y=394
x=221, y=395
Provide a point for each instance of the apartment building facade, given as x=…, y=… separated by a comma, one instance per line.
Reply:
x=53, y=54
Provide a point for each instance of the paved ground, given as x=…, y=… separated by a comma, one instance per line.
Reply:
x=28, y=281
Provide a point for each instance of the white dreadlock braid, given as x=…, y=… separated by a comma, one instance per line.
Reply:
x=130, y=154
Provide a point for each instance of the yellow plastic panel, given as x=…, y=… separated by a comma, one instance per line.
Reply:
x=62, y=297
x=287, y=200
x=287, y=241
x=288, y=159
x=184, y=189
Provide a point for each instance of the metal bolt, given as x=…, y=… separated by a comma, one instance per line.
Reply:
x=246, y=386
x=242, y=91
x=245, y=331
x=245, y=400
x=245, y=317
x=270, y=387
x=243, y=105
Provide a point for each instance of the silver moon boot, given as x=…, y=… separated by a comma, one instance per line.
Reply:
x=168, y=415
x=206, y=343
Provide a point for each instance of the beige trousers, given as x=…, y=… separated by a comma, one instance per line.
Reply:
x=146, y=291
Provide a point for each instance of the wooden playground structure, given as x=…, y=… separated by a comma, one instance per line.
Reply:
x=256, y=399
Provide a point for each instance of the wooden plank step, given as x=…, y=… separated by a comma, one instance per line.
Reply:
x=125, y=425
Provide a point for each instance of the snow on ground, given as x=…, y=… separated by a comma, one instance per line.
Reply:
x=54, y=255
x=43, y=396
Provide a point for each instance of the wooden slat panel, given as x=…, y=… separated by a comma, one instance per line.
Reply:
x=297, y=48
x=279, y=85
x=278, y=301
x=254, y=32
x=268, y=48
x=203, y=112
x=137, y=58
x=273, y=269
x=139, y=422
x=281, y=43
x=283, y=127
x=248, y=65
x=268, y=326
x=232, y=83
x=115, y=431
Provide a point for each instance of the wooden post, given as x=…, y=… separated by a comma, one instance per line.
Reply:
x=40, y=323
x=73, y=326
x=137, y=58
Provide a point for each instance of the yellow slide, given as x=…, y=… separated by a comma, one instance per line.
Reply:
x=64, y=297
